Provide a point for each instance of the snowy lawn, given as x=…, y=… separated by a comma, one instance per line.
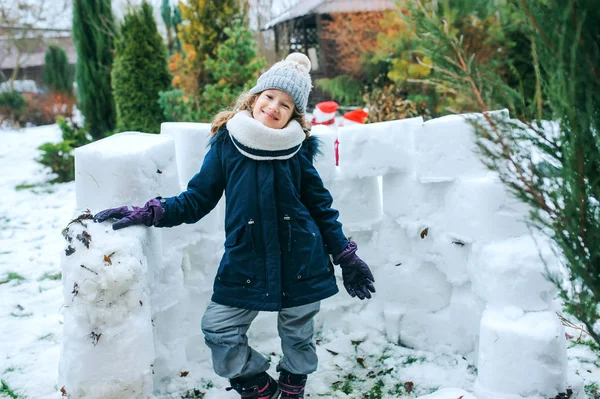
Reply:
x=362, y=364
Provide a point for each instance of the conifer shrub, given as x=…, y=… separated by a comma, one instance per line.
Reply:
x=93, y=35
x=57, y=72
x=58, y=156
x=12, y=106
x=139, y=73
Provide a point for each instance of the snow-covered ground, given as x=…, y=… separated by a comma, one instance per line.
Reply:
x=359, y=364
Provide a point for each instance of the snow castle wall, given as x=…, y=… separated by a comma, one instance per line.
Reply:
x=456, y=267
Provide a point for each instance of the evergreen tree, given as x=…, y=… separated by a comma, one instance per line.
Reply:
x=234, y=69
x=93, y=35
x=204, y=30
x=140, y=72
x=552, y=166
x=57, y=71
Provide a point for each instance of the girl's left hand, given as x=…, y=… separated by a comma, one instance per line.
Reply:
x=358, y=279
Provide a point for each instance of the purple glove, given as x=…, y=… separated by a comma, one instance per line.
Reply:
x=357, y=276
x=149, y=215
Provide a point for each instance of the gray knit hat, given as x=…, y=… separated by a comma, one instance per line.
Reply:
x=291, y=76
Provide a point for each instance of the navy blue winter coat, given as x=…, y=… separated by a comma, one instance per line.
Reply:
x=279, y=224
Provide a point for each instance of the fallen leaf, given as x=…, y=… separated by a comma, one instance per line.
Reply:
x=184, y=373
x=69, y=250
x=107, y=260
x=361, y=361
x=63, y=391
x=159, y=171
x=85, y=238
x=141, y=303
x=424, y=232
x=408, y=386
x=332, y=352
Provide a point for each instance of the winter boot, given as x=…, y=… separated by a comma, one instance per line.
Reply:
x=291, y=385
x=260, y=386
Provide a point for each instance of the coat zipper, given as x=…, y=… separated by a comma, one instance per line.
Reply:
x=287, y=219
x=263, y=240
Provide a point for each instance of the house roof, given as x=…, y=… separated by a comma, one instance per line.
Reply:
x=307, y=7
x=35, y=57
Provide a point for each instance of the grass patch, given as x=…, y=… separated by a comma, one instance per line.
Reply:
x=51, y=276
x=5, y=390
x=592, y=390
x=24, y=186
x=377, y=391
x=35, y=188
x=412, y=359
x=12, y=276
x=20, y=315
x=48, y=336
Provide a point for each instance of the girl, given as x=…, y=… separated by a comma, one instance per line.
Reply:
x=280, y=230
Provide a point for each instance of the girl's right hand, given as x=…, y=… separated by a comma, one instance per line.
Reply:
x=149, y=215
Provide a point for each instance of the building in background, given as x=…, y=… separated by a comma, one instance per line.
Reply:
x=28, y=52
x=300, y=28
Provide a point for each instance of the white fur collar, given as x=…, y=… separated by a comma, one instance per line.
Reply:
x=257, y=141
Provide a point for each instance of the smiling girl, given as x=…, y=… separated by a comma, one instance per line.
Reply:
x=280, y=232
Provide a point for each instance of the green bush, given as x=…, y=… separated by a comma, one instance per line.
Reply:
x=57, y=72
x=140, y=73
x=58, y=157
x=93, y=36
x=234, y=69
x=176, y=107
x=12, y=106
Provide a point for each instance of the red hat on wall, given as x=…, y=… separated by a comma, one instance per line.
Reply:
x=324, y=113
x=356, y=116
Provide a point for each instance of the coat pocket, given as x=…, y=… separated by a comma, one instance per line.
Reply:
x=239, y=262
x=303, y=249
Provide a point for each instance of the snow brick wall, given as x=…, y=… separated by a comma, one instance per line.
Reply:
x=456, y=267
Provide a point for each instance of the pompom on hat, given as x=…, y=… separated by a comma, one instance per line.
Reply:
x=292, y=76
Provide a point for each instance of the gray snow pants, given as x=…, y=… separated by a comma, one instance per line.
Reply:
x=225, y=329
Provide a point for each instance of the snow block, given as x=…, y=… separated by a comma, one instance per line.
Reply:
x=375, y=149
x=413, y=287
x=445, y=148
x=511, y=273
x=125, y=169
x=325, y=161
x=407, y=197
x=482, y=209
x=521, y=355
x=450, y=254
x=452, y=329
x=358, y=201
x=107, y=350
x=191, y=145
x=391, y=243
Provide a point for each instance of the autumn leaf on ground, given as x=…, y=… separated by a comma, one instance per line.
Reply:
x=85, y=238
x=424, y=232
x=107, y=260
x=184, y=373
x=408, y=385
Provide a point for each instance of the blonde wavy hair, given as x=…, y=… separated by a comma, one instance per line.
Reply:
x=245, y=102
